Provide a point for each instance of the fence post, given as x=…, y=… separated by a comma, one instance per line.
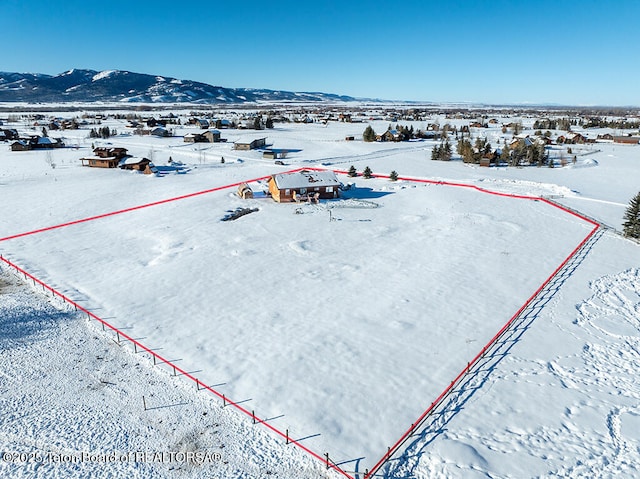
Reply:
x=144, y=403
x=326, y=455
x=287, y=436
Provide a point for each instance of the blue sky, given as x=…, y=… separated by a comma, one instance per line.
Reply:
x=495, y=51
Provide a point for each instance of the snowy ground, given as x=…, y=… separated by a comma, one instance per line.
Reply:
x=343, y=331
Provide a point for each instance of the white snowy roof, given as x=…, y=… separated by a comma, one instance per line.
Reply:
x=306, y=179
x=131, y=160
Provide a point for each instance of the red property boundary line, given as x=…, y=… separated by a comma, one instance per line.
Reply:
x=226, y=401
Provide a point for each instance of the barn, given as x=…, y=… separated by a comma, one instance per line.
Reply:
x=304, y=185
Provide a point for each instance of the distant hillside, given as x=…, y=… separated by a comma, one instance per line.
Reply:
x=123, y=86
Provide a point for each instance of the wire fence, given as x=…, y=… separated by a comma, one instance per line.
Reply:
x=123, y=338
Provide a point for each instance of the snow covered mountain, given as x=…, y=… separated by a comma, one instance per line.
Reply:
x=124, y=86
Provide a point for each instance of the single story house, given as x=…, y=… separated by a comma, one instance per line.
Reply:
x=44, y=142
x=100, y=162
x=136, y=163
x=304, y=185
x=210, y=136
x=627, y=140
x=20, y=145
x=274, y=154
x=390, y=135
x=161, y=132
x=249, y=145
x=10, y=134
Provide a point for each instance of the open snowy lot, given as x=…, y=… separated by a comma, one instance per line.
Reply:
x=341, y=322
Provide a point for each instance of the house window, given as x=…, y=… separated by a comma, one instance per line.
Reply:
x=303, y=191
x=287, y=192
x=329, y=189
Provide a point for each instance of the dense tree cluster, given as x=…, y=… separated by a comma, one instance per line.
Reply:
x=103, y=133
x=597, y=122
x=473, y=153
x=442, y=152
x=559, y=124
x=529, y=152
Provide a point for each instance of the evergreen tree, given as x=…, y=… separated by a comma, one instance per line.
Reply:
x=269, y=123
x=367, y=172
x=435, y=152
x=369, y=134
x=465, y=150
x=445, y=151
x=505, y=154
x=352, y=171
x=631, y=225
x=393, y=176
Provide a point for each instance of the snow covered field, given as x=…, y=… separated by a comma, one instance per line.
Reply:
x=343, y=322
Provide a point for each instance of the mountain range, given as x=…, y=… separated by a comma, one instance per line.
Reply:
x=78, y=85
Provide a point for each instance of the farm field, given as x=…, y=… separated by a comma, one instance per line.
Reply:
x=341, y=322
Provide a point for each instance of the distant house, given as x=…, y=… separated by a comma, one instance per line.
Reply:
x=10, y=134
x=304, y=185
x=20, y=145
x=626, y=140
x=606, y=137
x=212, y=136
x=104, y=152
x=390, y=135
x=36, y=143
x=250, y=145
x=136, y=163
x=160, y=131
x=574, y=138
x=275, y=154
x=204, y=124
x=152, y=122
x=98, y=162
x=193, y=138
x=44, y=142
x=105, y=157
